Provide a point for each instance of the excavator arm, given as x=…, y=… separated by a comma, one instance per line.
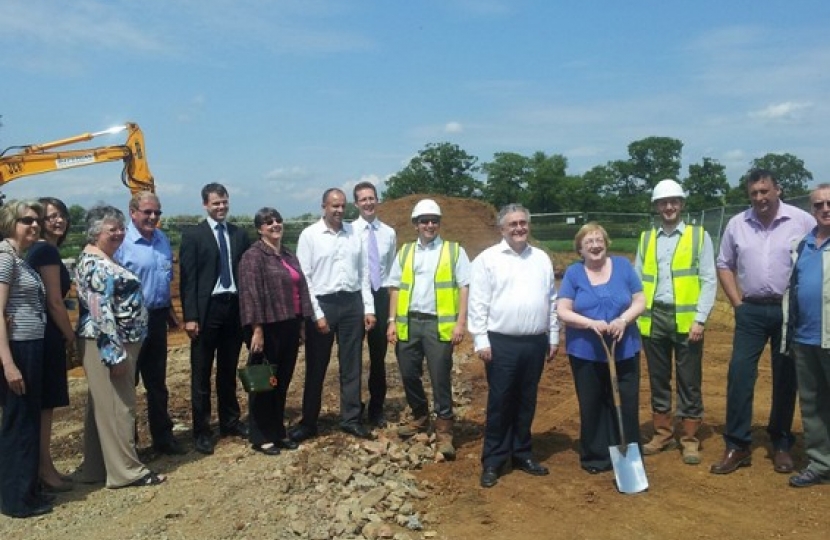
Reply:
x=41, y=158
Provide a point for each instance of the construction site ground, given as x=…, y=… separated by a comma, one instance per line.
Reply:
x=683, y=502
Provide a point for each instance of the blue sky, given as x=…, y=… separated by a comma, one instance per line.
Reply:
x=279, y=100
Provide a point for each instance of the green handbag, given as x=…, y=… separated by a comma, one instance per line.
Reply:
x=257, y=377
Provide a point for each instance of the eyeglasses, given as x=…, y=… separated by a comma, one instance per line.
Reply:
x=516, y=224
x=149, y=213
x=27, y=220
x=427, y=221
x=818, y=205
x=56, y=216
x=270, y=221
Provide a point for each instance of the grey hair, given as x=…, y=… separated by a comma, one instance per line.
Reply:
x=509, y=209
x=97, y=216
x=135, y=200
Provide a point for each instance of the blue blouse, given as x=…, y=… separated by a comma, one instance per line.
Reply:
x=112, y=307
x=604, y=302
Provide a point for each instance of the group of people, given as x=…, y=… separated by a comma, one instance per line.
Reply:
x=347, y=278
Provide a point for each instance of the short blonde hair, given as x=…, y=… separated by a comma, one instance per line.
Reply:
x=14, y=209
x=588, y=228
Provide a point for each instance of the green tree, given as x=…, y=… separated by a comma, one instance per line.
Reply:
x=598, y=191
x=77, y=214
x=546, y=178
x=507, y=178
x=649, y=160
x=706, y=185
x=792, y=176
x=440, y=168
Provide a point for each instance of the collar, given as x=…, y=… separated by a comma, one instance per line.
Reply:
x=213, y=223
x=681, y=227
x=133, y=236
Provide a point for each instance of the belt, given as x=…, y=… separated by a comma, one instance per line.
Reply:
x=339, y=295
x=762, y=300
x=418, y=316
x=662, y=305
x=223, y=297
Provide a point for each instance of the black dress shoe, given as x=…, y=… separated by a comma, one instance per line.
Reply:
x=204, y=444
x=357, y=430
x=530, y=466
x=782, y=461
x=287, y=444
x=170, y=448
x=271, y=450
x=238, y=429
x=733, y=459
x=591, y=469
x=489, y=477
x=301, y=433
x=37, y=510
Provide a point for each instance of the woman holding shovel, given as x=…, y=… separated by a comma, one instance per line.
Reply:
x=599, y=299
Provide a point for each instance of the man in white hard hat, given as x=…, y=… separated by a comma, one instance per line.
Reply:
x=429, y=284
x=676, y=263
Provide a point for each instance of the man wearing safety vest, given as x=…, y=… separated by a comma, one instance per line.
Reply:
x=429, y=284
x=676, y=263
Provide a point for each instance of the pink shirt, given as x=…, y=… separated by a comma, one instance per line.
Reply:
x=760, y=256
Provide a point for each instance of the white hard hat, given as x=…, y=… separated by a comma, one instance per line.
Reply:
x=426, y=207
x=666, y=189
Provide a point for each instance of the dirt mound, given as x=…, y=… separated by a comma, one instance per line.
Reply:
x=469, y=222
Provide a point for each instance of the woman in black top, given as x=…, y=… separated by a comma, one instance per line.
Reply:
x=45, y=258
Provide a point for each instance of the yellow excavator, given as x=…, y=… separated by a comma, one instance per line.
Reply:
x=42, y=158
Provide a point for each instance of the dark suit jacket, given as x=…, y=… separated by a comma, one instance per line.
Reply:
x=199, y=266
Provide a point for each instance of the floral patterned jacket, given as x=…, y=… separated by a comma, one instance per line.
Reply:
x=111, y=306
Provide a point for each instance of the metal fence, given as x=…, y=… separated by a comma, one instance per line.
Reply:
x=563, y=226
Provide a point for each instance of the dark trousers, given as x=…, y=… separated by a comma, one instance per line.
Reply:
x=598, y=428
x=344, y=314
x=664, y=349
x=423, y=343
x=267, y=409
x=513, y=377
x=377, y=344
x=219, y=338
x=754, y=326
x=151, y=368
x=20, y=431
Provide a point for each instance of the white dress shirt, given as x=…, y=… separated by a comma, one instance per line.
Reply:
x=218, y=288
x=333, y=261
x=512, y=294
x=424, y=265
x=387, y=244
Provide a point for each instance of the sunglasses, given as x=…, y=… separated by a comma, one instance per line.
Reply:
x=427, y=221
x=149, y=213
x=818, y=205
x=27, y=220
x=270, y=221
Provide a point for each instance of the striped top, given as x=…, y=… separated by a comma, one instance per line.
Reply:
x=25, y=309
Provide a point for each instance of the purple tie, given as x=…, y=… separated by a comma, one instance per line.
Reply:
x=374, y=259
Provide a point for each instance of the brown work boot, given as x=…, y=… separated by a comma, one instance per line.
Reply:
x=443, y=437
x=663, y=438
x=414, y=426
x=689, y=441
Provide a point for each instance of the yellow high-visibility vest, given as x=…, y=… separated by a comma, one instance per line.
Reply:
x=446, y=290
x=685, y=268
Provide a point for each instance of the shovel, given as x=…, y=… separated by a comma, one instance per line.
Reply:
x=626, y=459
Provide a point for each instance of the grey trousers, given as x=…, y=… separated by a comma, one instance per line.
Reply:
x=812, y=364
x=664, y=349
x=424, y=343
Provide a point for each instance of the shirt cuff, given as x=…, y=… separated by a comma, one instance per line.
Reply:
x=481, y=341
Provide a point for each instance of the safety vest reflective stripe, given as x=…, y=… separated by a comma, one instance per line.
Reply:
x=685, y=277
x=446, y=290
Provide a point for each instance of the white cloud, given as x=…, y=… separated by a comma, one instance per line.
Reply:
x=786, y=111
x=453, y=127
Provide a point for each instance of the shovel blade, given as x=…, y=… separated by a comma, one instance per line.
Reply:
x=628, y=468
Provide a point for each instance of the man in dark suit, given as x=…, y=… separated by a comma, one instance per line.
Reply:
x=208, y=259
